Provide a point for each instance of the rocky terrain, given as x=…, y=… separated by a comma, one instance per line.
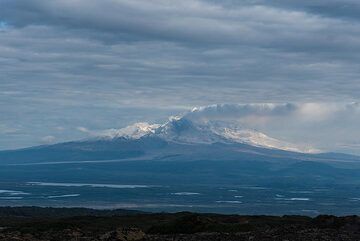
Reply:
x=44, y=224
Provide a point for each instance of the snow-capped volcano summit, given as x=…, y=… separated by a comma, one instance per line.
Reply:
x=214, y=133
x=134, y=131
x=186, y=129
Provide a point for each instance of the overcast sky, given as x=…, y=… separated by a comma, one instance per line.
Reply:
x=102, y=64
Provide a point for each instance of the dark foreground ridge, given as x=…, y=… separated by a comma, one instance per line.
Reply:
x=35, y=224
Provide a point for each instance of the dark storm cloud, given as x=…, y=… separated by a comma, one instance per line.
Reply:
x=191, y=21
x=64, y=62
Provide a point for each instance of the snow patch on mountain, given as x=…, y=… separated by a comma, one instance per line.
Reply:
x=189, y=130
x=135, y=131
x=259, y=139
x=183, y=130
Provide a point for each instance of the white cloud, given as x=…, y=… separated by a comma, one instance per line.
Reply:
x=5, y=129
x=241, y=110
x=60, y=128
x=83, y=129
x=48, y=139
x=308, y=112
x=325, y=126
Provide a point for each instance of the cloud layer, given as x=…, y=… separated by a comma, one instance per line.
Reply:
x=325, y=126
x=104, y=64
x=191, y=21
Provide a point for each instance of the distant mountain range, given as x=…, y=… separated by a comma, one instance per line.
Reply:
x=181, y=138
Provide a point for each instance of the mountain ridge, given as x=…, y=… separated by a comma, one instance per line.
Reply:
x=183, y=129
x=191, y=136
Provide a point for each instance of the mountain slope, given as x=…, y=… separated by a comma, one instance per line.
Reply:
x=181, y=138
x=187, y=130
